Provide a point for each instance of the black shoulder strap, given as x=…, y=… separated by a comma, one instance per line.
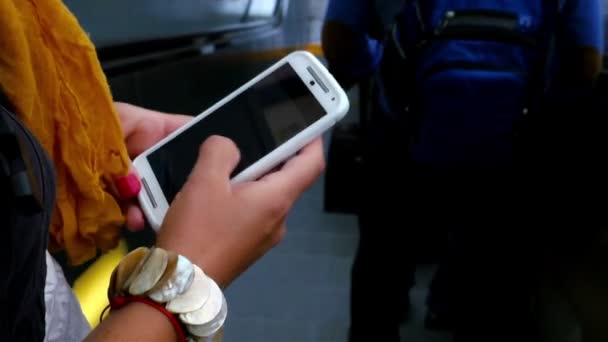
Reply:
x=552, y=10
x=422, y=25
x=15, y=176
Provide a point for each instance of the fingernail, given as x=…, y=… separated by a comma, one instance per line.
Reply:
x=128, y=186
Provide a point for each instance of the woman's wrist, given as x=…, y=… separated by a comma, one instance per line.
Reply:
x=204, y=257
x=223, y=259
x=170, y=283
x=133, y=323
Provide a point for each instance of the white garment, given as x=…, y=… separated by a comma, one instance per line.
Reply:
x=65, y=321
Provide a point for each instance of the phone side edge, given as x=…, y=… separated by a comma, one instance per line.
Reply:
x=150, y=192
x=284, y=152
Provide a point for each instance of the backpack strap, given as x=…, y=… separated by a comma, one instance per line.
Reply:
x=419, y=15
x=552, y=10
x=396, y=38
x=16, y=178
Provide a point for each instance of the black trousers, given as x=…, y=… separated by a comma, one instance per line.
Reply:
x=489, y=267
x=383, y=268
x=399, y=220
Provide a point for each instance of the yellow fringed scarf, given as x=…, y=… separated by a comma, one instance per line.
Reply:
x=50, y=73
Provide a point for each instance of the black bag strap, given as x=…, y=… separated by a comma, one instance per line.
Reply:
x=16, y=177
x=540, y=81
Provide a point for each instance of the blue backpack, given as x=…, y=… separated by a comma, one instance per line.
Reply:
x=474, y=70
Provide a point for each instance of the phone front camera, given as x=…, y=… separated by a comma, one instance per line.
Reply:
x=312, y=83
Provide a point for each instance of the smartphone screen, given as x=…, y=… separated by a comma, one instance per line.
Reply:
x=258, y=120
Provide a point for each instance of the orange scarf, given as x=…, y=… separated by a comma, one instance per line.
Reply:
x=50, y=73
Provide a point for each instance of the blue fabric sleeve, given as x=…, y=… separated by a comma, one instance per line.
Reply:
x=584, y=23
x=357, y=15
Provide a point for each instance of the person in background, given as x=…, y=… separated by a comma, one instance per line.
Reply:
x=355, y=47
x=385, y=262
x=65, y=150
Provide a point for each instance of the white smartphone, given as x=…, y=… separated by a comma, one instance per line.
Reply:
x=270, y=119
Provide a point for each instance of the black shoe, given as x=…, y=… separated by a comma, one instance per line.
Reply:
x=406, y=313
x=384, y=330
x=380, y=334
x=438, y=321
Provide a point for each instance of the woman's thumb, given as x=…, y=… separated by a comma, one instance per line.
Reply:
x=218, y=157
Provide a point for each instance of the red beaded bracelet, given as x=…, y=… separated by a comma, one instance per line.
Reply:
x=119, y=302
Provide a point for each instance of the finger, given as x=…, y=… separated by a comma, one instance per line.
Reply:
x=134, y=218
x=279, y=234
x=127, y=187
x=312, y=150
x=142, y=127
x=300, y=172
x=218, y=157
x=151, y=129
x=173, y=122
x=133, y=116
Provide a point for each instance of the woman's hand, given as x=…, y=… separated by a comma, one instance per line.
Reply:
x=225, y=228
x=221, y=227
x=143, y=128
